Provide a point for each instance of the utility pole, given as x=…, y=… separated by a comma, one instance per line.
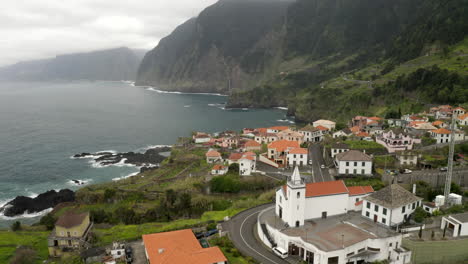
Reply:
x=448, y=179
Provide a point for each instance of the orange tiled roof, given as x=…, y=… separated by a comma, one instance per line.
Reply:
x=463, y=117
x=252, y=143
x=322, y=128
x=375, y=118
x=298, y=151
x=262, y=130
x=282, y=145
x=363, y=134
x=416, y=118
x=437, y=123
x=179, y=247
x=235, y=156
x=359, y=203
x=325, y=188
x=213, y=153
x=280, y=128
x=360, y=190
x=355, y=129
x=218, y=167
x=441, y=131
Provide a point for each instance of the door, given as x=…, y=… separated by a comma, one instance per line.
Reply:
x=324, y=215
x=376, y=218
x=281, y=213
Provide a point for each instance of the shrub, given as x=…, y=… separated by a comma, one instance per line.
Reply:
x=420, y=215
x=221, y=205
x=16, y=226
x=48, y=221
x=24, y=255
x=225, y=184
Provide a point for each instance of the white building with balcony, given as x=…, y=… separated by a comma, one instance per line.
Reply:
x=396, y=140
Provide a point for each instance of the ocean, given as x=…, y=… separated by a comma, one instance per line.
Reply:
x=42, y=124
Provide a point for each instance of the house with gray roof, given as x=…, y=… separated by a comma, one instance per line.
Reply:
x=338, y=148
x=311, y=133
x=391, y=205
x=456, y=225
x=353, y=162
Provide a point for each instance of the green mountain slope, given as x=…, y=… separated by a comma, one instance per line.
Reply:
x=321, y=58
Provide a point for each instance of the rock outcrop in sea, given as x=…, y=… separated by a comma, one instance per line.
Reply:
x=22, y=204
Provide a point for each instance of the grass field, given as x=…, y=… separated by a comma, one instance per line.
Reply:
x=9, y=241
x=440, y=252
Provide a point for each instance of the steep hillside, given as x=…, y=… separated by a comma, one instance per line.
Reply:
x=113, y=64
x=227, y=45
x=305, y=53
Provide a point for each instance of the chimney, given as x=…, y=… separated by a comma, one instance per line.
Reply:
x=414, y=189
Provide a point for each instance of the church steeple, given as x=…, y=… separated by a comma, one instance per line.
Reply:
x=295, y=180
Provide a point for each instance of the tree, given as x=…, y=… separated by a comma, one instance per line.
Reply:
x=234, y=167
x=419, y=215
x=49, y=221
x=16, y=226
x=109, y=194
x=171, y=197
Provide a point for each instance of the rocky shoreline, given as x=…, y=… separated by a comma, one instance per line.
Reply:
x=149, y=159
x=22, y=204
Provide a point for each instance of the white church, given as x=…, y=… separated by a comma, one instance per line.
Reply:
x=324, y=223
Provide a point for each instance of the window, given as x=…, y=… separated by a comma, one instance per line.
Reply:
x=384, y=211
x=414, y=206
x=391, y=244
x=363, y=164
x=347, y=163
x=354, y=171
x=368, y=205
x=403, y=209
x=298, y=194
x=367, y=214
x=355, y=163
x=384, y=221
x=281, y=199
x=363, y=172
x=357, y=200
x=376, y=208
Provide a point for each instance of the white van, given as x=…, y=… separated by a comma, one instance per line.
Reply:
x=280, y=252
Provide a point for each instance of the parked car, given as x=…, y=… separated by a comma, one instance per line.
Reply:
x=280, y=252
x=310, y=162
x=199, y=235
x=129, y=254
x=322, y=166
x=406, y=171
x=443, y=169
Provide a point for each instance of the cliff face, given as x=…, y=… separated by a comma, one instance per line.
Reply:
x=113, y=65
x=267, y=53
x=227, y=46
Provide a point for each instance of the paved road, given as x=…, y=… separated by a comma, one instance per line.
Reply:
x=243, y=235
x=139, y=256
x=318, y=174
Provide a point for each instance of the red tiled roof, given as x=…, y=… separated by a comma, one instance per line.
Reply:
x=213, y=153
x=322, y=128
x=363, y=134
x=262, y=130
x=298, y=151
x=218, y=167
x=441, y=131
x=355, y=129
x=359, y=203
x=360, y=190
x=460, y=108
x=463, y=117
x=416, y=118
x=280, y=128
x=437, y=123
x=179, y=247
x=252, y=143
x=325, y=188
x=375, y=118
x=235, y=156
x=282, y=145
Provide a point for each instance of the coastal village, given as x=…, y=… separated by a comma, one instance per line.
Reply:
x=361, y=192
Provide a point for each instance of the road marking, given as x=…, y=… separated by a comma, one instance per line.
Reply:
x=247, y=244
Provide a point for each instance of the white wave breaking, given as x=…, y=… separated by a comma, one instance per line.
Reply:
x=175, y=92
x=26, y=215
x=281, y=108
x=126, y=176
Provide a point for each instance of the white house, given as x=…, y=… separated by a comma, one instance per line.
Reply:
x=391, y=205
x=297, y=157
x=458, y=111
x=456, y=224
x=311, y=134
x=318, y=223
x=325, y=123
x=247, y=164
x=219, y=169
x=338, y=148
x=201, y=138
x=276, y=129
x=407, y=158
x=397, y=139
x=278, y=150
x=342, y=133
x=443, y=135
x=353, y=162
x=463, y=120
x=290, y=135
x=213, y=156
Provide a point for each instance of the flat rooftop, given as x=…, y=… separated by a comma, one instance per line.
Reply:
x=333, y=232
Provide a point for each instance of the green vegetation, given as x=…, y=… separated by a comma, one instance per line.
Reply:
x=376, y=183
x=435, y=252
x=384, y=162
x=9, y=241
x=369, y=146
x=232, y=254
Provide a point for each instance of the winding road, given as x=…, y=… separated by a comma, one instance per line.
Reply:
x=318, y=174
x=242, y=232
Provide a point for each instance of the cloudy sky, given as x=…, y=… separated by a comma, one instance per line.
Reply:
x=33, y=29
